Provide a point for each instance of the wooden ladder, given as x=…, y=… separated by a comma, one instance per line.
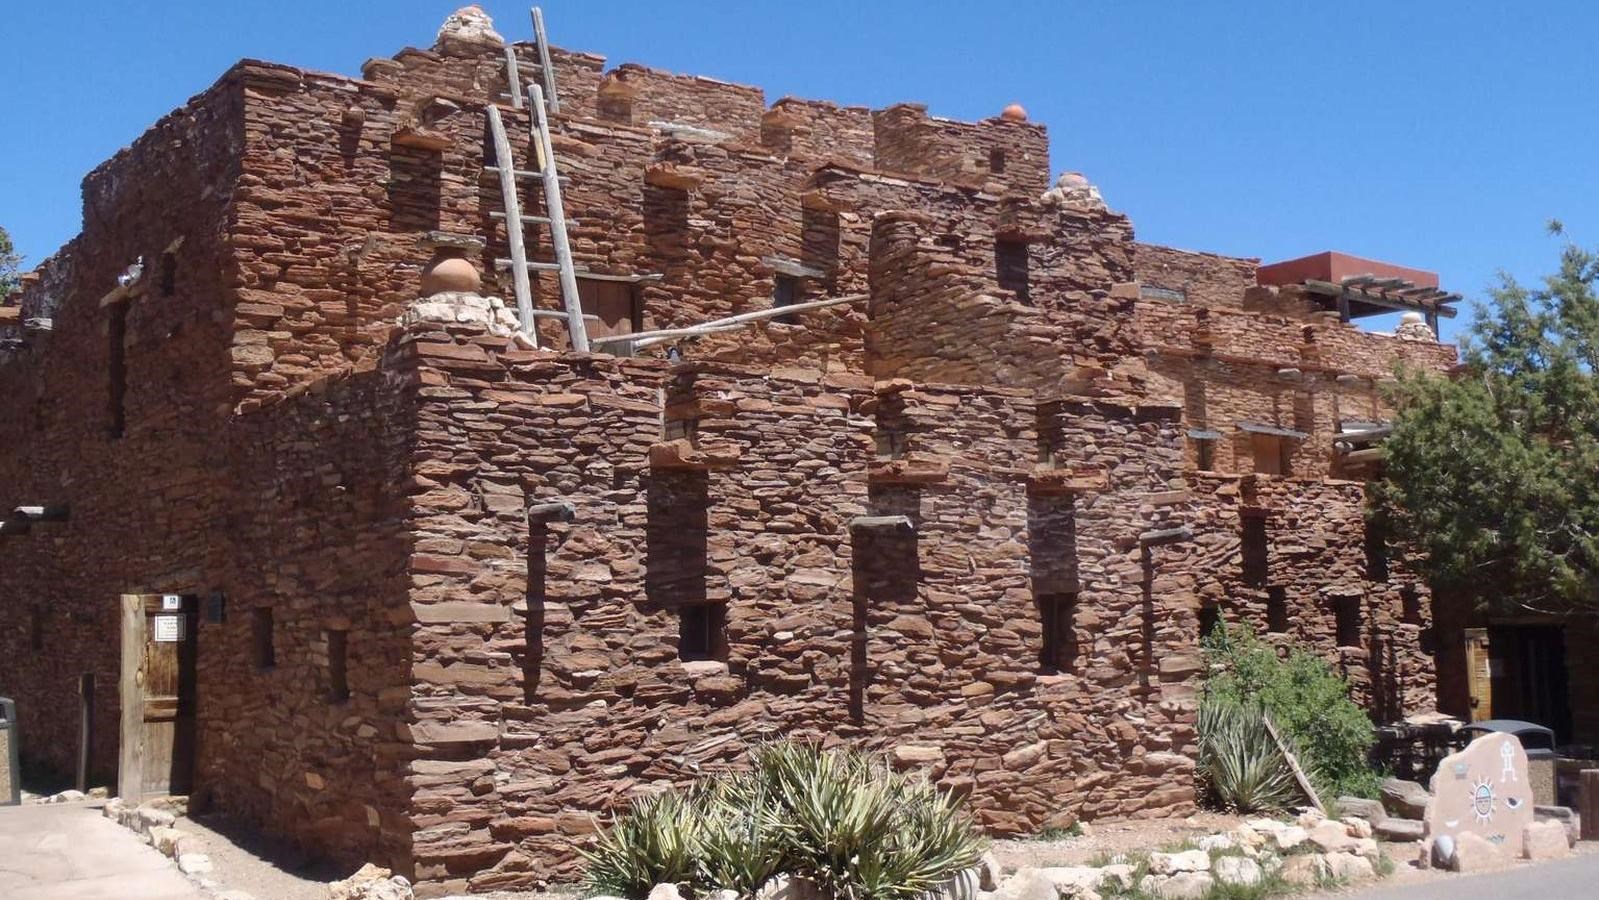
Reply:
x=505, y=167
x=513, y=73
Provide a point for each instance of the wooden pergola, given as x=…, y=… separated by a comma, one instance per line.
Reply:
x=1371, y=295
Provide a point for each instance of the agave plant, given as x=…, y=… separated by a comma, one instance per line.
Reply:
x=1239, y=760
x=655, y=842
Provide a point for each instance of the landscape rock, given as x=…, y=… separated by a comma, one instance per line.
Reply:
x=1350, y=867
x=1304, y=869
x=1357, y=827
x=1545, y=840
x=1370, y=810
x=370, y=882
x=1026, y=884
x=1182, y=886
x=194, y=863
x=988, y=872
x=1216, y=842
x=1475, y=853
x=665, y=892
x=1331, y=837
x=1070, y=880
x=1186, y=861
x=1237, y=870
x=1397, y=830
x=1405, y=799
x=1484, y=790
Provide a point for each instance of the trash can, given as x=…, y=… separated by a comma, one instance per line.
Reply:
x=10, y=771
x=1539, y=742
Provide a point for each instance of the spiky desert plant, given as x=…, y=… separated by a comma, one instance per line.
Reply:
x=655, y=842
x=1239, y=760
x=743, y=841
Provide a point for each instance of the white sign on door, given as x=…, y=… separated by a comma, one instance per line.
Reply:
x=171, y=601
x=168, y=629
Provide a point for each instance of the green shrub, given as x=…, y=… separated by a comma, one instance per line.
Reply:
x=843, y=819
x=1307, y=701
x=1239, y=761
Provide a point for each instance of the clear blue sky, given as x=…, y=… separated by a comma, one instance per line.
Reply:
x=1434, y=134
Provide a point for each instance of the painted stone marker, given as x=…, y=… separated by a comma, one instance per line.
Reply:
x=1483, y=790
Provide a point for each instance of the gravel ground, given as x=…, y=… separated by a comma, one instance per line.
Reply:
x=1108, y=837
x=243, y=860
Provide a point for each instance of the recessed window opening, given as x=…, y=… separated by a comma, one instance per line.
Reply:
x=1410, y=605
x=700, y=627
x=1011, y=267
x=1376, y=552
x=1209, y=619
x=674, y=429
x=1273, y=454
x=169, y=273
x=996, y=160
x=1254, y=549
x=338, y=666
x=1205, y=454
x=1346, y=612
x=117, y=367
x=265, y=653
x=36, y=628
x=1277, y=609
x=785, y=292
x=1058, y=614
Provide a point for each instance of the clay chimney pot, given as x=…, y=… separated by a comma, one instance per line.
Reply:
x=450, y=274
x=1014, y=113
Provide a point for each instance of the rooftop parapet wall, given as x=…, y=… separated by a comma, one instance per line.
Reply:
x=1011, y=155
x=1204, y=279
x=819, y=129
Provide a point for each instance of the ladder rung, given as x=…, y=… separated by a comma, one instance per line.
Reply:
x=520, y=173
x=536, y=220
x=540, y=266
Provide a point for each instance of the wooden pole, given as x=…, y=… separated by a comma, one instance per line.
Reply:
x=513, y=225
x=1293, y=764
x=548, y=73
x=1588, y=804
x=513, y=77
x=85, y=727
x=130, y=760
x=650, y=338
x=557, y=214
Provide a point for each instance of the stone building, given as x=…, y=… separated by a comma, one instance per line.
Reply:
x=439, y=599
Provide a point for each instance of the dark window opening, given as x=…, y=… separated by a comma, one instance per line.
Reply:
x=261, y=635
x=1410, y=604
x=1273, y=454
x=169, y=273
x=36, y=628
x=116, y=340
x=1376, y=552
x=699, y=633
x=675, y=429
x=338, y=666
x=1254, y=550
x=996, y=161
x=1205, y=454
x=785, y=292
x=1209, y=619
x=1346, y=611
x=1011, y=267
x=1058, y=616
x=1277, y=609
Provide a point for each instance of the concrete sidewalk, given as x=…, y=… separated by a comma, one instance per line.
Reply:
x=68, y=850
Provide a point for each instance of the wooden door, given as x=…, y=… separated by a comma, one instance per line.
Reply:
x=612, y=302
x=1479, y=674
x=157, y=694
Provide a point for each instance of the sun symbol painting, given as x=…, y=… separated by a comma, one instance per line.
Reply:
x=1483, y=801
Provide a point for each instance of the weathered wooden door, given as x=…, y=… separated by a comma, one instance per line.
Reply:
x=157, y=693
x=612, y=302
x=1479, y=674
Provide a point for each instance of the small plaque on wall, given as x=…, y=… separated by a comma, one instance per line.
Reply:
x=171, y=601
x=168, y=629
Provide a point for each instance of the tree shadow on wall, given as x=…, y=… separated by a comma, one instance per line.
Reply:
x=1052, y=550
x=675, y=538
x=538, y=541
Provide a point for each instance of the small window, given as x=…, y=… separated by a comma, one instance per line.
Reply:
x=1254, y=550
x=1011, y=267
x=996, y=160
x=785, y=292
x=1205, y=454
x=169, y=273
x=36, y=628
x=338, y=666
x=261, y=636
x=1410, y=605
x=1209, y=620
x=1346, y=611
x=1376, y=552
x=1273, y=454
x=700, y=631
x=1058, y=616
x=1277, y=609
x=117, y=369
x=680, y=429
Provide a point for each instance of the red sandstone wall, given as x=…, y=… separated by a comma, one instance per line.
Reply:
x=531, y=717
x=1316, y=553
x=1206, y=279
x=1012, y=156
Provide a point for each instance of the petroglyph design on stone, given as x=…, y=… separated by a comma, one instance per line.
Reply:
x=1508, y=754
x=1483, y=801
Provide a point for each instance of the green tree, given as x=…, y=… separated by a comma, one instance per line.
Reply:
x=1494, y=473
x=10, y=260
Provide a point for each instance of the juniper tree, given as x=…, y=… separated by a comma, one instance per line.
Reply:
x=10, y=259
x=1494, y=473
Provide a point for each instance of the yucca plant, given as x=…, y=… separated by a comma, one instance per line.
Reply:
x=1239, y=760
x=842, y=819
x=655, y=842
